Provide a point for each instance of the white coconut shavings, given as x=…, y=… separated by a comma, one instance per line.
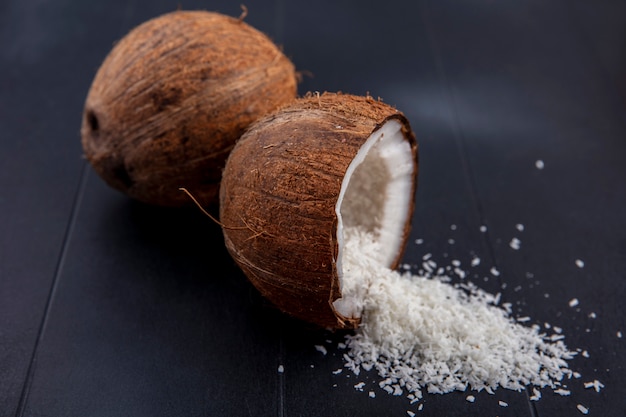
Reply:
x=573, y=302
x=536, y=395
x=519, y=227
x=582, y=409
x=470, y=398
x=619, y=334
x=503, y=404
x=321, y=349
x=579, y=263
x=539, y=164
x=515, y=244
x=596, y=385
x=426, y=334
x=281, y=369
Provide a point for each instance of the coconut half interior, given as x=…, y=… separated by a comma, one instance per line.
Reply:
x=375, y=197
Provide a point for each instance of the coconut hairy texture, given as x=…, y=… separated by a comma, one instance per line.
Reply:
x=172, y=97
x=300, y=176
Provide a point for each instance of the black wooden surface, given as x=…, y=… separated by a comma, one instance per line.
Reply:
x=112, y=308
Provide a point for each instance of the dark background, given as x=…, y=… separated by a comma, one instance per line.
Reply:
x=112, y=308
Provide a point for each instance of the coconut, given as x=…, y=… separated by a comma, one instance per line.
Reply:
x=300, y=176
x=171, y=99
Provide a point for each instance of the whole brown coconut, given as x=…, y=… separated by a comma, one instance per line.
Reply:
x=171, y=99
x=301, y=175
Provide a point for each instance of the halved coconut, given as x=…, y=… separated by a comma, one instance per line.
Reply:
x=171, y=99
x=302, y=175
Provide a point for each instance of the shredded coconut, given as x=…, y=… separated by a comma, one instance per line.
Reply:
x=596, y=385
x=539, y=164
x=321, y=349
x=420, y=333
x=582, y=409
x=536, y=395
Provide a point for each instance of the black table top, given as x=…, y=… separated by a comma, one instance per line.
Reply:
x=112, y=307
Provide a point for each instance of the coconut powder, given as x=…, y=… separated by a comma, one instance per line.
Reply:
x=422, y=333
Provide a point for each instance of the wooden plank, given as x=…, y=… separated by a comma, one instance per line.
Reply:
x=146, y=308
x=151, y=317
x=525, y=89
x=41, y=166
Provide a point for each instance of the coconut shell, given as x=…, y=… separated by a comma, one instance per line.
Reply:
x=171, y=99
x=279, y=191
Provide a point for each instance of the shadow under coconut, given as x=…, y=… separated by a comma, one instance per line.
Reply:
x=185, y=250
x=180, y=232
x=181, y=246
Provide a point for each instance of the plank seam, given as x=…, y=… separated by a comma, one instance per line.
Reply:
x=78, y=195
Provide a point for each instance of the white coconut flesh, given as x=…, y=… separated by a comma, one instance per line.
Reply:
x=375, y=198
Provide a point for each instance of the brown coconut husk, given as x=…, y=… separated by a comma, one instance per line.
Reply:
x=279, y=191
x=171, y=99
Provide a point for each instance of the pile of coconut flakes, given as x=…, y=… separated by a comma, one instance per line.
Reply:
x=421, y=333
